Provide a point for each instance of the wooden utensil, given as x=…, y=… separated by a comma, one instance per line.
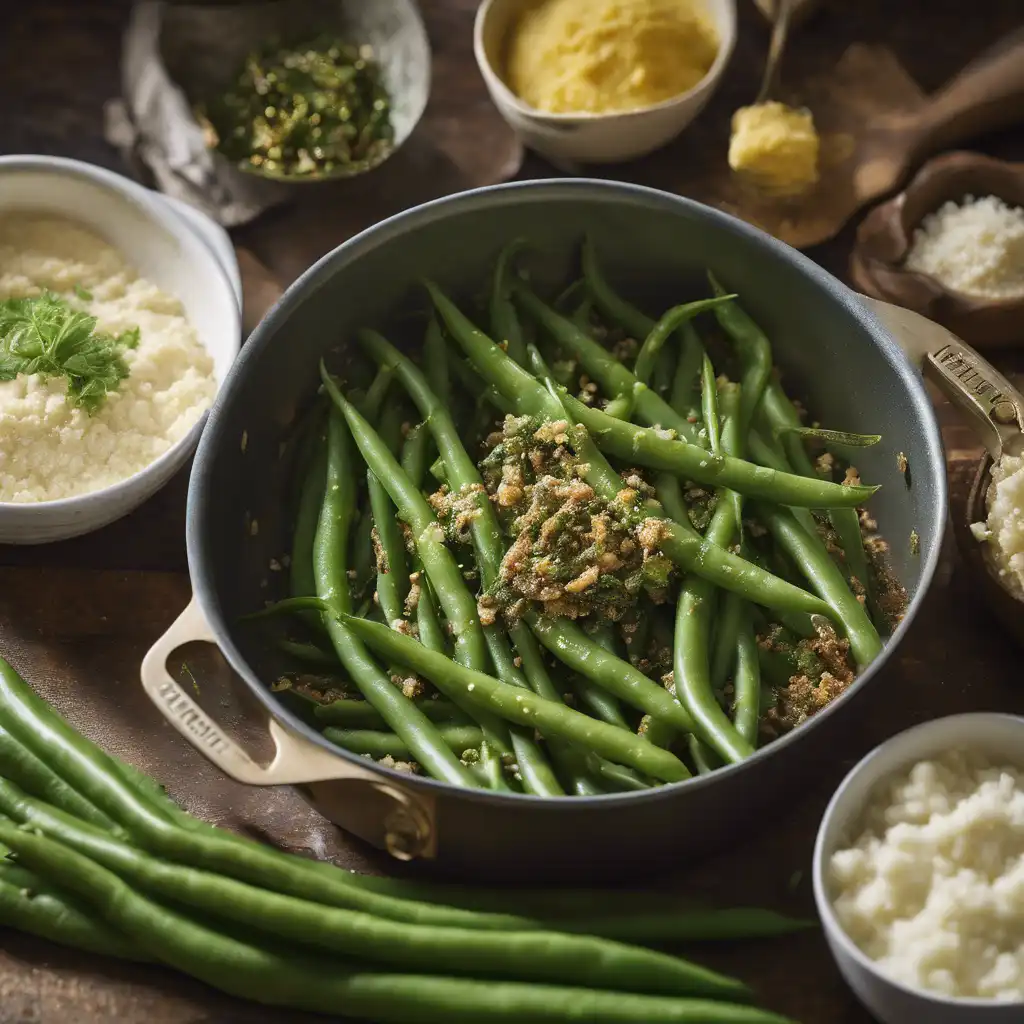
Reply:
x=987, y=94
x=885, y=235
x=875, y=125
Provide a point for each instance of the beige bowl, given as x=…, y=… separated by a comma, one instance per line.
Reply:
x=571, y=139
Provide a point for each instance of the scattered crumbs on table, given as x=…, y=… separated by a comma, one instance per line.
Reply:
x=901, y=462
x=245, y=440
x=275, y=565
x=795, y=879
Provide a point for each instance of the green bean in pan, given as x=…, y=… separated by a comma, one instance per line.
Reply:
x=376, y=744
x=311, y=494
x=746, y=682
x=392, y=570
x=684, y=396
x=306, y=652
x=755, y=356
x=646, y=446
x=523, y=707
x=602, y=366
x=414, y=453
x=571, y=645
x=826, y=578
x=620, y=312
x=505, y=326
x=361, y=714
x=400, y=714
x=709, y=406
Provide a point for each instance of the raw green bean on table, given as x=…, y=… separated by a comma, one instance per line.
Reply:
x=376, y=744
x=50, y=916
x=254, y=972
x=523, y=707
x=23, y=767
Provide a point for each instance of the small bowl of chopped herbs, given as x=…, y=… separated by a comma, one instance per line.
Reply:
x=302, y=92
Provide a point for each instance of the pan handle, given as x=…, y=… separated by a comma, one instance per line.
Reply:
x=409, y=825
x=992, y=405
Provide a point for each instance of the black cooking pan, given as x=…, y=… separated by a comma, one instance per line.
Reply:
x=657, y=248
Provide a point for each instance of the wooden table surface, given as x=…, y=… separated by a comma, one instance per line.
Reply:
x=76, y=617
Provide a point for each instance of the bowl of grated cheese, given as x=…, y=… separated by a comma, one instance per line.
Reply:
x=119, y=318
x=951, y=247
x=918, y=873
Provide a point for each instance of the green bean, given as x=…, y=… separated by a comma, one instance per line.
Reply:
x=311, y=494
x=618, y=779
x=600, y=703
x=709, y=406
x=477, y=389
x=310, y=653
x=360, y=714
x=400, y=714
x=414, y=453
x=428, y=619
x=747, y=683
x=49, y=915
x=702, y=756
x=375, y=394
x=524, y=707
x=376, y=744
x=567, y=642
x=601, y=365
x=504, y=320
x=254, y=972
x=22, y=766
x=435, y=360
x=755, y=355
x=648, y=447
x=580, y=317
x=685, y=393
x=825, y=577
x=614, y=307
x=727, y=628
x=392, y=572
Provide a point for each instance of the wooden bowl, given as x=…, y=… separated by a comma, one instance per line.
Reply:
x=885, y=235
x=1008, y=609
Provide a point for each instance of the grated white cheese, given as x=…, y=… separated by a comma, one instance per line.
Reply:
x=976, y=248
x=933, y=890
x=50, y=449
x=1004, y=527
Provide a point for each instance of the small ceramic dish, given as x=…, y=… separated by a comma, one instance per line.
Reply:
x=885, y=236
x=1002, y=738
x=1006, y=606
x=202, y=46
x=568, y=140
x=184, y=254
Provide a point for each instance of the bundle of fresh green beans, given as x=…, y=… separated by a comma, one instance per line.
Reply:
x=600, y=591
x=97, y=857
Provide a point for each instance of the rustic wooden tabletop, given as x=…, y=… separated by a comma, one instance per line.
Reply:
x=77, y=617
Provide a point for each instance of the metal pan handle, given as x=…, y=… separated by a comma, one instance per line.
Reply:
x=976, y=388
x=409, y=825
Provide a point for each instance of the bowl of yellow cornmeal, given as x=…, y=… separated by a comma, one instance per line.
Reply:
x=601, y=81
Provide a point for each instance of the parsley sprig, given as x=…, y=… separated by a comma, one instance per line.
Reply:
x=45, y=335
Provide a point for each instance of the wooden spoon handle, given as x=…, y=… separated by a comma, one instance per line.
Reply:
x=987, y=94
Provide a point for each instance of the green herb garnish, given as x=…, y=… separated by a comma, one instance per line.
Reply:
x=83, y=293
x=45, y=335
x=306, y=109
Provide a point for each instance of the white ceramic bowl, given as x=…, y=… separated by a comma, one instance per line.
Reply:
x=568, y=140
x=1001, y=737
x=178, y=249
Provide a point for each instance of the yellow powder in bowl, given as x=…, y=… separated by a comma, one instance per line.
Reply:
x=600, y=56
